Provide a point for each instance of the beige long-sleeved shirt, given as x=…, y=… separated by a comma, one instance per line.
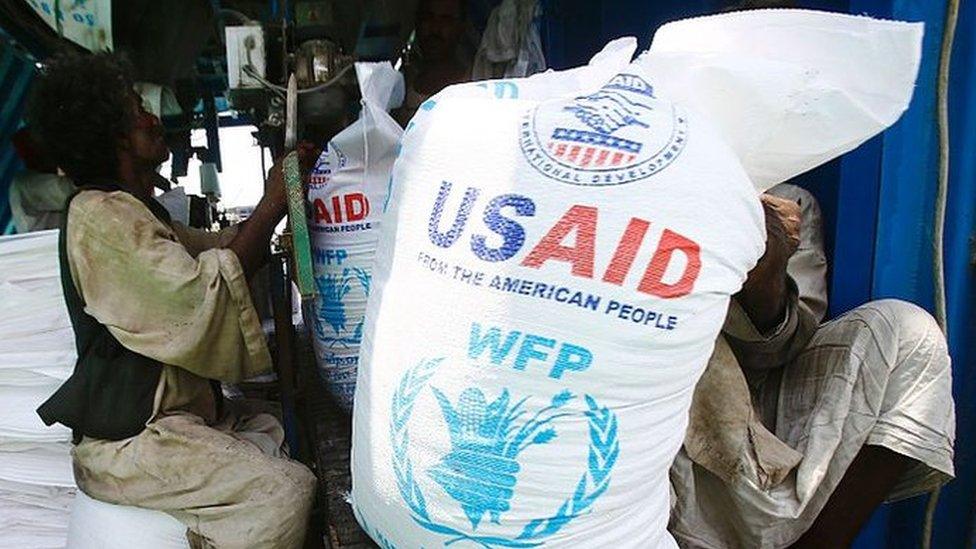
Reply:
x=724, y=430
x=167, y=292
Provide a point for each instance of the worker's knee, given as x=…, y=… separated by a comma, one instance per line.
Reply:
x=909, y=320
x=912, y=325
x=919, y=342
x=291, y=501
x=295, y=487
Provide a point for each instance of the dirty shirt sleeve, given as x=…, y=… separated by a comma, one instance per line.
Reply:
x=759, y=350
x=155, y=297
x=197, y=241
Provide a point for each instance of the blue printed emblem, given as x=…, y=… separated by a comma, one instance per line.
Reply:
x=333, y=289
x=619, y=134
x=481, y=470
x=329, y=161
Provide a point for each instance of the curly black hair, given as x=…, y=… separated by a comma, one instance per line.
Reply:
x=79, y=109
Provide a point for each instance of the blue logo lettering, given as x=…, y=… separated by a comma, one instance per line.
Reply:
x=512, y=233
x=446, y=240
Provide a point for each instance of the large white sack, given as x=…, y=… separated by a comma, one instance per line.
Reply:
x=99, y=525
x=39, y=464
x=553, y=272
x=36, y=367
x=515, y=391
x=789, y=89
x=32, y=527
x=35, y=331
x=19, y=421
x=27, y=256
x=347, y=194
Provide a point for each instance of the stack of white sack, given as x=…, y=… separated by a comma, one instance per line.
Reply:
x=558, y=260
x=347, y=194
x=37, y=353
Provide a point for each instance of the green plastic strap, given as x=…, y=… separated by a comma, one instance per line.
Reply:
x=300, y=243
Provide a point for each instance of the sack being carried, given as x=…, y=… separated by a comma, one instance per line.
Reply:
x=557, y=263
x=347, y=194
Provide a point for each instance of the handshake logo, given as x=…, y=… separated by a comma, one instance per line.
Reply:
x=619, y=134
x=609, y=109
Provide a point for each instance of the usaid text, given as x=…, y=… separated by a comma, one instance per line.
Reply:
x=500, y=214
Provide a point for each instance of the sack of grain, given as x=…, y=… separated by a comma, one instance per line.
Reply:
x=347, y=193
x=554, y=269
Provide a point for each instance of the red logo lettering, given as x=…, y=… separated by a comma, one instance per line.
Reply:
x=623, y=257
x=581, y=219
x=321, y=212
x=357, y=206
x=653, y=283
x=347, y=208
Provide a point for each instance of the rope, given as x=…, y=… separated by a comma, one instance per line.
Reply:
x=938, y=259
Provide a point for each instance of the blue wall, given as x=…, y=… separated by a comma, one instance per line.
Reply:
x=956, y=520
x=890, y=186
x=878, y=209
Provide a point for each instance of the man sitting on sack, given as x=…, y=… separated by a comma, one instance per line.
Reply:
x=798, y=430
x=161, y=314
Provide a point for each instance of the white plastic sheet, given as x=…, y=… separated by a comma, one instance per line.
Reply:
x=177, y=203
x=37, y=352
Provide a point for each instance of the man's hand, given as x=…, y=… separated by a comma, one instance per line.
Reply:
x=763, y=295
x=276, y=193
x=251, y=243
x=782, y=237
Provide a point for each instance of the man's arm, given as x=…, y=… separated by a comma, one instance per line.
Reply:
x=764, y=294
x=249, y=240
x=157, y=299
x=768, y=323
x=250, y=245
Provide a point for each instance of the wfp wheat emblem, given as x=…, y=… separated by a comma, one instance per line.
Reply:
x=334, y=290
x=619, y=134
x=481, y=471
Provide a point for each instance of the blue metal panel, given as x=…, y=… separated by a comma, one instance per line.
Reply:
x=956, y=519
x=574, y=30
x=854, y=227
x=903, y=257
x=17, y=83
x=9, y=165
x=903, y=251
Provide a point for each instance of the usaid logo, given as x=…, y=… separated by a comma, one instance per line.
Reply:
x=619, y=134
x=330, y=161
